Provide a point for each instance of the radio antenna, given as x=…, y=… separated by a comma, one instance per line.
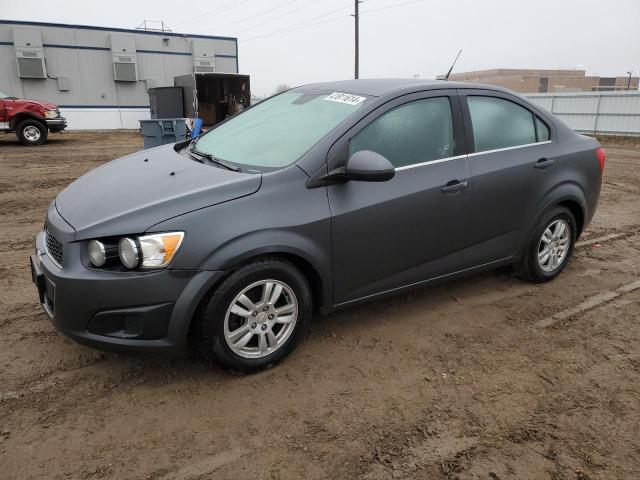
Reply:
x=446, y=77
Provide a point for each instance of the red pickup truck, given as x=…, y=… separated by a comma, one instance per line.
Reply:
x=31, y=120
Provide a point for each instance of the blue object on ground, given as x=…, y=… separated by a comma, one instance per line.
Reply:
x=197, y=127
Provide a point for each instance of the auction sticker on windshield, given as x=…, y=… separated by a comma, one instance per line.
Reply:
x=347, y=98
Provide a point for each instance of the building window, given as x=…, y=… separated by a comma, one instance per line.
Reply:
x=543, y=86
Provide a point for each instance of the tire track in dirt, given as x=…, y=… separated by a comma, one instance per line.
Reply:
x=589, y=304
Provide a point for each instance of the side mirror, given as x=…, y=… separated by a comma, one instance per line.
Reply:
x=368, y=166
x=364, y=166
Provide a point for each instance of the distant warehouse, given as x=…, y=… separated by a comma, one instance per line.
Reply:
x=98, y=76
x=543, y=81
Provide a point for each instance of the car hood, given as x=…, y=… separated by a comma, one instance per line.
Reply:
x=131, y=194
x=45, y=105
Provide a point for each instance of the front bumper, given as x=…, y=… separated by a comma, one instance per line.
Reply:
x=56, y=124
x=118, y=311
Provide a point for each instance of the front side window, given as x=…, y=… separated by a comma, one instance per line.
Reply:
x=499, y=123
x=278, y=131
x=416, y=132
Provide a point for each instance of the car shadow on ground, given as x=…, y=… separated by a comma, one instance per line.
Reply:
x=341, y=324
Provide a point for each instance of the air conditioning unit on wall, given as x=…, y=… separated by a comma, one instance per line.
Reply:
x=203, y=55
x=29, y=53
x=125, y=58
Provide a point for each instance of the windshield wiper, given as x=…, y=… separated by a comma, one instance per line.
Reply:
x=213, y=159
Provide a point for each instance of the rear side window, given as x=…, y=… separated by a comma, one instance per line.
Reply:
x=416, y=132
x=499, y=123
x=543, y=130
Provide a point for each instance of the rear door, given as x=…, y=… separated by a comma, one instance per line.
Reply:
x=511, y=160
x=391, y=234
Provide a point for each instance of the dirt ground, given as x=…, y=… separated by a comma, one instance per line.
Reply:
x=488, y=377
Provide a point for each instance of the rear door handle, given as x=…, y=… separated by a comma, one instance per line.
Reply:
x=453, y=186
x=543, y=163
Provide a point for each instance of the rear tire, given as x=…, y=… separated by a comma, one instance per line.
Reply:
x=31, y=132
x=256, y=316
x=549, y=247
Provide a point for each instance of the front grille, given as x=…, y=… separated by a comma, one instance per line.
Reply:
x=54, y=247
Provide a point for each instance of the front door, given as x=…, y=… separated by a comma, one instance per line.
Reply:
x=411, y=228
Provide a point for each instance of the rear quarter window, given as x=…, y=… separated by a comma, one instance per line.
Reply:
x=543, y=130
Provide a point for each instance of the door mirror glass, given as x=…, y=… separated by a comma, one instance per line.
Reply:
x=368, y=166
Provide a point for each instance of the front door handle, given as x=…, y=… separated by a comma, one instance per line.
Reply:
x=543, y=163
x=453, y=186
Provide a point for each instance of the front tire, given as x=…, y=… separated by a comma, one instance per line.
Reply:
x=255, y=317
x=549, y=246
x=31, y=132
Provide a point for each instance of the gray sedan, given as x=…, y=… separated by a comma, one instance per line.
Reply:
x=320, y=197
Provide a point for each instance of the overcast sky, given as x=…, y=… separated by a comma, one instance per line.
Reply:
x=302, y=41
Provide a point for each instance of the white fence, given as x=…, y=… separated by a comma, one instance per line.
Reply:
x=615, y=113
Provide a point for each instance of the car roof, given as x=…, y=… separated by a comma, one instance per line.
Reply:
x=377, y=87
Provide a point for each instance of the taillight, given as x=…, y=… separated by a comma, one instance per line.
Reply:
x=601, y=157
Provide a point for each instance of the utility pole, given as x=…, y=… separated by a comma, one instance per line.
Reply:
x=356, y=17
x=628, y=81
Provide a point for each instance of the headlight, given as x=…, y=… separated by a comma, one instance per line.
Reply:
x=149, y=251
x=50, y=113
x=128, y=252
x=159, y=249
x=97, y=253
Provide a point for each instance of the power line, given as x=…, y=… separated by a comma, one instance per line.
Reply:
x=217, y=11
x=224, y=7
x=278, y=17
x=391, y=6
x=269, y=10
x=317, y=17
x=286, y=30
x=305, y=24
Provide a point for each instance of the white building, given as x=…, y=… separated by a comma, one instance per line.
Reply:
x=99, y=76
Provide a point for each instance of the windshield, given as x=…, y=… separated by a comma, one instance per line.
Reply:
x=278, y=131
x=5, y=95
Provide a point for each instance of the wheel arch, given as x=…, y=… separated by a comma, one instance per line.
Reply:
x=19, y=117
x=569, y=195
x=577, y=211
x=299, y=259
x=320, y=289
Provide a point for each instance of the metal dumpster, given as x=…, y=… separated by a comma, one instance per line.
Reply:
x=162, y=130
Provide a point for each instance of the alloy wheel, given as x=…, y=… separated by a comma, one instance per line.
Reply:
x=261, y=318
x=554, y=245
